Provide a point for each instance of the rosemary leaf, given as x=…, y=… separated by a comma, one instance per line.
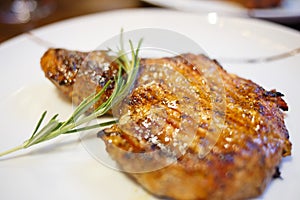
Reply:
x=44, y=132
x=39, y=123
x=104, y=124
x=88, y=102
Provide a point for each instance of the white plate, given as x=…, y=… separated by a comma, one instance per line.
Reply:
x=288, y=10
x=62, y=168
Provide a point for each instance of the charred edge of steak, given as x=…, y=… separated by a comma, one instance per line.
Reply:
x=61, y=66
x=277, y=173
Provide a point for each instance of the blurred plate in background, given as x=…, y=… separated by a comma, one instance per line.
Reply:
x=289, y=11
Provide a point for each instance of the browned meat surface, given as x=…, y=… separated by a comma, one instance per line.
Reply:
x=168, y=139
x=62, y=68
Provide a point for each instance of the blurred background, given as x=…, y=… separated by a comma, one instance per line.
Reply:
x=57, y=10
x=18, y=16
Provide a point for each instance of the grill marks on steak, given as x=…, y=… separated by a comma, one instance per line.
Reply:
x=247, y=152
x=79, y=74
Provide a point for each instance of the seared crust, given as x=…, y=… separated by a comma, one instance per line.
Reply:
x=242, y=162
x=79, y=74
x=247, y=152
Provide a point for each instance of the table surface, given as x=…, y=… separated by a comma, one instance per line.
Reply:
x=69, y=8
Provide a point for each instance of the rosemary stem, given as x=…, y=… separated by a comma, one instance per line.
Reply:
x=17, y=148
x=55, y=127
x=71, y=126
x=62, y=130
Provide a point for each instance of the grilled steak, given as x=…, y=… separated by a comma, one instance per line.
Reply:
x=166, y=139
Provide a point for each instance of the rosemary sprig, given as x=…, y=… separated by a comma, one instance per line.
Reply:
x=54, y=127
